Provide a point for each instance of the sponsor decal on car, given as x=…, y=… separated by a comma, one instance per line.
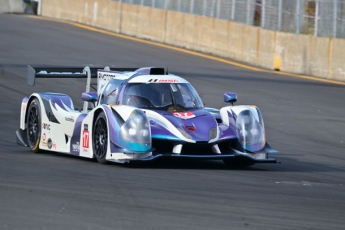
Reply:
x=163, y=80
x=44, y=136
x=86, y=137
x=184, y=115
x=76, y=147
x=51, y=145
x=190, y=128
x=46, y=126
x=71, y=119
x=45, y=72
x=104, y=75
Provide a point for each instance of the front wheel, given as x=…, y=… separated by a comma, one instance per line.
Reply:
x=100, y=138
x=33, y=120
x=238, y=162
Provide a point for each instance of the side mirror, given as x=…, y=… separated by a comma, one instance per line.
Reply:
x=230, y=97
x=89, y=96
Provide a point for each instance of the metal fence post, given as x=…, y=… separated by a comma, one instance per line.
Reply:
x=298, y=9
x=263, y=13
x=233, y=10
x=191, y=6
x=166, y=2
x=218, y=9
x=204, y=8
x=248, y=12
x=335, y=16
x=280, y=14
x=316, y=18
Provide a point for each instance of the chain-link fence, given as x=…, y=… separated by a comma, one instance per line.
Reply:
x=317, y=17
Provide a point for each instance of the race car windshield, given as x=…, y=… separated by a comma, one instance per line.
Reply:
x=162, y=96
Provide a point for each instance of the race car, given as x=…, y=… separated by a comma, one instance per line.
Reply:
x=140, y=114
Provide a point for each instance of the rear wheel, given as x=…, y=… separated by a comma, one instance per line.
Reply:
x=33, y=120
x=238, y=162
x=100, y=138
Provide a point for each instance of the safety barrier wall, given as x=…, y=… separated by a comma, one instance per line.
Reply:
x=12, y=6
x=302, y=54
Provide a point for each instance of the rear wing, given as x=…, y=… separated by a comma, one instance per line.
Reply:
x=70, y=72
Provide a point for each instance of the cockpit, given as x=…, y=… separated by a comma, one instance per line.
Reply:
x=172, y=97
x=162, y=96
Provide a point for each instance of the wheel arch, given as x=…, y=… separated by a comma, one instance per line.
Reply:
x=96, y=114
x=23, y=118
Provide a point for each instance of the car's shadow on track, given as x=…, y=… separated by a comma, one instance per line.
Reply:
x=169, y=163
x=288, y=164
x=162, y=163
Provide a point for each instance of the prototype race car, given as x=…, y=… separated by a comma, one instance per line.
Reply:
x=140, y=114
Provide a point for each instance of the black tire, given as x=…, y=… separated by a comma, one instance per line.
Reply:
x=100, y=138
x=33, y=121
x=238, y=162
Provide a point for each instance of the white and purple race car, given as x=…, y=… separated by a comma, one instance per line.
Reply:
x=140, y=114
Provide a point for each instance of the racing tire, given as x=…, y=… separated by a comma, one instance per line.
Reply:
x=238, y=162
x=100, y=138
x=33, y=121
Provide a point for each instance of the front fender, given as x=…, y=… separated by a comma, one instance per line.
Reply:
x=248, y=124
x=118, y=117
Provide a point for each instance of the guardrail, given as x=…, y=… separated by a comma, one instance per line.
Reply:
x=302, y=54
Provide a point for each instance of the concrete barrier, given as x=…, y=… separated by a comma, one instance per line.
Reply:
x=292, y=51
x=129, y=19
x=318, y=57
x=177, y=35
x=302, y=54
x=336, y=60
x=220, y=40
x=151, y=23
x=12, y=6
x=266, y=46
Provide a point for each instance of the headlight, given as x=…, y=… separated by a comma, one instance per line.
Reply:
x=250, y=130
x=136, y=131
x=213, y=133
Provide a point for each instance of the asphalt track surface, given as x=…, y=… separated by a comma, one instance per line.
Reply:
x=304, y=120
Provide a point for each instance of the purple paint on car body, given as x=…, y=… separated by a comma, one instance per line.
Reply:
x=202, y=121
x=159, y=132
x=89, y=96
x=113, y=128
x=58, y=98
x=25, y=100
x=75, y=140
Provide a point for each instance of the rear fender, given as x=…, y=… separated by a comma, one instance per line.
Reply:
x=58, y=119
x=25, y=106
